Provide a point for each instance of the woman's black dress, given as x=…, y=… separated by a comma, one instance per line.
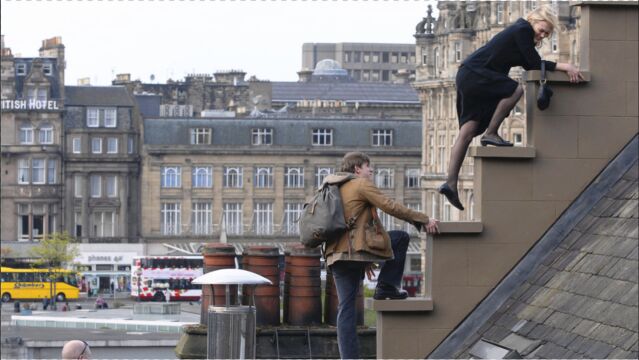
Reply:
x=482, y=79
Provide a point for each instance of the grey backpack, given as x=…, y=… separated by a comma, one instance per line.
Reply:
x=323, y=217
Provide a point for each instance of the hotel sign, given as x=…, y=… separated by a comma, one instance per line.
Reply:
x=30, y=104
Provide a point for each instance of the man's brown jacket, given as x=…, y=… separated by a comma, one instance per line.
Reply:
x=361, y=198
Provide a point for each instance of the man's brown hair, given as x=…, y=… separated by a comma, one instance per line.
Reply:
x=353, y=159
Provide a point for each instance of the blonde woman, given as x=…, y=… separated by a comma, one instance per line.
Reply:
x=485, y=93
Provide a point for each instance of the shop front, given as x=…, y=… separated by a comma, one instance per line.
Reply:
x=105, y=272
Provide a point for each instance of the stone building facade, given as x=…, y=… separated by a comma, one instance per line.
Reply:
x=365, y=62
x=250, y=178
x=32, y=143
x=101, y=164
x=441, y=45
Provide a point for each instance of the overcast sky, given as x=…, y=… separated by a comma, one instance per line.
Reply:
x=170, y=39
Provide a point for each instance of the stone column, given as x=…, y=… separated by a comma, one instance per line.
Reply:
x=85, y=207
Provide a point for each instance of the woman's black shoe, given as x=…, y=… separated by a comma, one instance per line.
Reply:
x=494, y=141
x=451, y=195
x=384, y=292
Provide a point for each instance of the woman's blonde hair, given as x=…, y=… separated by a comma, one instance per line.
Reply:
x=543, y=13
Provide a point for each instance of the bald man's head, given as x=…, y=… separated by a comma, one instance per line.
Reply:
x=76, y=349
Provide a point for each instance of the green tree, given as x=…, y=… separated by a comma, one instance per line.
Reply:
x=56, y=250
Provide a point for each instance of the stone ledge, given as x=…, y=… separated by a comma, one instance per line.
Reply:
x=460, y=227
x=514, y=152
x=411, y=304
x=554, y=76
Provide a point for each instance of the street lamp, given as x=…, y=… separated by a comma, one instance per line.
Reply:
x=138, y=273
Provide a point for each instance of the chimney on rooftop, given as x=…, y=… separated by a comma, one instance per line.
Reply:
x=304, y=75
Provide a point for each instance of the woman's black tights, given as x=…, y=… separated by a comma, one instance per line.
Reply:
x=469, y=130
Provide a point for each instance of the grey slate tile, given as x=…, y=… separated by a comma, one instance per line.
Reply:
x=520, y=291
x=551, y=351
x=620, y=188
x=561, y=337
x=563, y=321
x=632, y=173
x=507, y=321
x=634, y=254
x=594, y=287
x=592, y=263
x=585, y=223
x=618, y=316
x=624, y=270
x=496, y=333
x=616, y=290
x=539, y=332
x=573, y=236
x=611, y=334
x=631, y=298
x=631, y=344
x=621, y=354
x=585, y=328
x=598, y=350
x=527, y=328
x=601, y=206
x=549, y=274
x=629, y=210
x=578, y=344
x=522, y=344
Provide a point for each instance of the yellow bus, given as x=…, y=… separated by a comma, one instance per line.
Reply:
x=33, y=284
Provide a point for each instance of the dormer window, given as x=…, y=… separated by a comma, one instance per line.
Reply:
x=21, y=69
x=47, y=69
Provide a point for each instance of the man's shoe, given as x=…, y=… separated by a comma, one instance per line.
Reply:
x=451, y=195
x=494, y=141
x=389, y=292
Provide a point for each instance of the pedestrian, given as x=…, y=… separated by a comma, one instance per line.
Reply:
x=352, y=255
x=485, y=93
x=76, y=349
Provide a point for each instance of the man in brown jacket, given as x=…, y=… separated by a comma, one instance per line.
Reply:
x=352, y=255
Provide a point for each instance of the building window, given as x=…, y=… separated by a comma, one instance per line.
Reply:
x=322, y=137
x=375, y=57
x=347, y=57
x=366, y=75
x=51, y=171
x=442, y=154
x=458, y=51
x=108, y=116
x=388, y=222
x=202, y=177
x=384, y=178
x=320, y=174
x=112, y=186
x=129, y=145
x=431, y=150
x=412, y=178
x=374, y=75
x=201, y=218
x=103, y=224
x=96, y=186
x=77, y=186
x=385, y=75
x=37, y=171
x=23, y=171
x=262, y=136
x=78, y=224
x=96, y=145
x=554, y=42
x=263, y=217
x=112, y=145
x=385, y=57
x=518, y=139
x=294, y=177
x=200, y=136
x=233, y=177
x=264, y=177
x=233, y=218
x=77, y=145
x=500, y=13
x=170, y=219
x=46, y=134
x=382, y=137
x=367, y=57
x=171, y=177
x=292, y=214
x=21, y=69
x=47, y=69
x=26, y=134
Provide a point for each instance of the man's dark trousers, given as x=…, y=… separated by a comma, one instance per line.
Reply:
x=347, y=275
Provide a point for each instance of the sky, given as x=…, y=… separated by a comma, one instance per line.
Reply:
x=170, y=39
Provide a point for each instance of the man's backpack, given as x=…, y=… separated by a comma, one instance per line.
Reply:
x=323, y=217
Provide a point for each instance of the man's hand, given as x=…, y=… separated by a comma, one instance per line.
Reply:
x=432, y=227
x=370, y=274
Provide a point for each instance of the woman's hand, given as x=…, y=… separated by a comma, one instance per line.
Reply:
x=572, y=71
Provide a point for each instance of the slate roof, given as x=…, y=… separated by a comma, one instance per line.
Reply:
x=97, y=96
x=578, y=296
x=345, y=91
x=286, y=131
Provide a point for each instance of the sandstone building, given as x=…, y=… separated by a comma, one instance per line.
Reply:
x=441, y=45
